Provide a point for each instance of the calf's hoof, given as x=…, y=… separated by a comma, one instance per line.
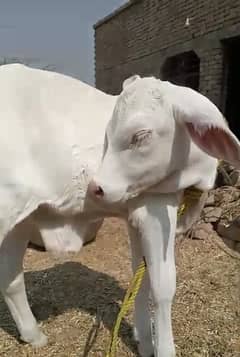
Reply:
x=35, y=338
x=145, y=346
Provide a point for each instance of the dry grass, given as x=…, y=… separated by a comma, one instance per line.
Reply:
x=73, y=298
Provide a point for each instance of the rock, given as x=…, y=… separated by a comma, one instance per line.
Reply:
x=230, y=231
x=220, y=217
x=202, y=231
x=227, y=175
x=225, y=195
x=235, y=179
x=212, y=214
x=235, y=194
x=230, y=247
x=223, y=175
x=210, y=201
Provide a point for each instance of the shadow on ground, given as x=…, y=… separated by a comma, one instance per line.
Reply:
x=68, y=286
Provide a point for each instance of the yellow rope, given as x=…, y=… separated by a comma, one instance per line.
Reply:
x=190, y=195
x=126, y=305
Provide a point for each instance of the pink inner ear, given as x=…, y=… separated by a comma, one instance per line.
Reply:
x=216, y=142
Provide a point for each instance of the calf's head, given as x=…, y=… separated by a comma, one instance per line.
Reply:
x=149, y=133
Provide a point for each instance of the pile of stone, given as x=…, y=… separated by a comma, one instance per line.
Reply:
x=221, y=213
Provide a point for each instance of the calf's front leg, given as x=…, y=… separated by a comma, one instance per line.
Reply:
x=142, y=319
x=155, y=219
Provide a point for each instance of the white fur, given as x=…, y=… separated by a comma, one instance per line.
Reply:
x=153, y=221
x=160, y=140
x=51, y=143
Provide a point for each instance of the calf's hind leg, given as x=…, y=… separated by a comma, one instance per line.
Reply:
x=12, y=284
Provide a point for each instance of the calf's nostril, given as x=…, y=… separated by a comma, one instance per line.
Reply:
x=99, y=191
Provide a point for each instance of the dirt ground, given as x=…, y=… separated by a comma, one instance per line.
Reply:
x=73, y=299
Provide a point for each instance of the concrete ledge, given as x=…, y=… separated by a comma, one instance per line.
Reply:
x=115, y=13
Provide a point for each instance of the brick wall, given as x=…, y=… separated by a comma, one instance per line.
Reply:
x=141, y=35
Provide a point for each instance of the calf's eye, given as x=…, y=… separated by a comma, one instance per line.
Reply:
x=140, y=138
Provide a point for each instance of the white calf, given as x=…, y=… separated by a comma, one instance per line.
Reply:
x=51, y=142
x=161, y=139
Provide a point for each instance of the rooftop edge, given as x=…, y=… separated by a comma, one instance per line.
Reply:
x=115, y=13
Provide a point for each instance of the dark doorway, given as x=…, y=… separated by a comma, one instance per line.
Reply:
x=232, y=69
x=182, y=69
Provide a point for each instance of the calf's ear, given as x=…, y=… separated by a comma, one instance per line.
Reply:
x=130, y=80
x=205, y=124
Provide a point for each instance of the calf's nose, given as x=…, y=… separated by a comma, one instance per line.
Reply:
x=95, y=189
